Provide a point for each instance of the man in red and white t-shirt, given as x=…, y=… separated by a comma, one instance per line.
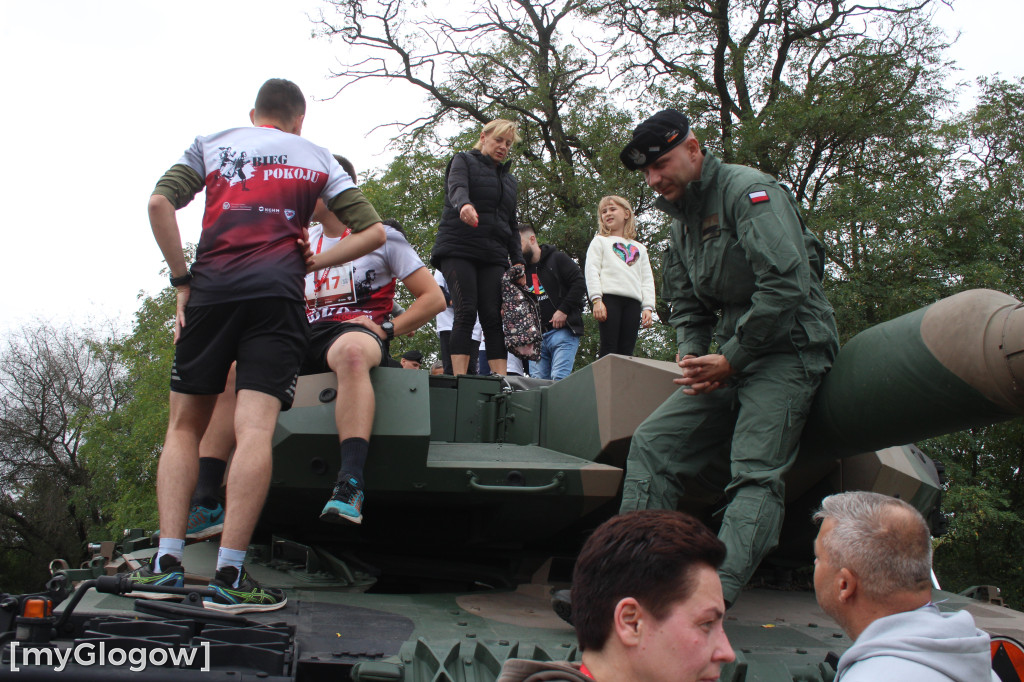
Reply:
x=242, y=301
x=348, y=308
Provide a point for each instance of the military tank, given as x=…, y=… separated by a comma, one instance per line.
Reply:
x=480, y=490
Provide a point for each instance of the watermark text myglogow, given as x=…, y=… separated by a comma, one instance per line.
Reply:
x=88, y=654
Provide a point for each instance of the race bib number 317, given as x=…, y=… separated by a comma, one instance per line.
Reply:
x=333, y=286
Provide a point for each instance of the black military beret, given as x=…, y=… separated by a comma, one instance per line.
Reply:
x=654, y=137
x=413, y=355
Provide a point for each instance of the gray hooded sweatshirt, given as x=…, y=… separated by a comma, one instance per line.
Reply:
x=923, y=645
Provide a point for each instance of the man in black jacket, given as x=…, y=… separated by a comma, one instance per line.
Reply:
x=560, y=288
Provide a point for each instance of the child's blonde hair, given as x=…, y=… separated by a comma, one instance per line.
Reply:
x=629, y=230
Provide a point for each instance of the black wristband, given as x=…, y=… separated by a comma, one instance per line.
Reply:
x=181, y=281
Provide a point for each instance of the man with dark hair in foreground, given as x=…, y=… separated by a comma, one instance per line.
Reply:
x=872, y=574
x=242, y=301
x=647, y=605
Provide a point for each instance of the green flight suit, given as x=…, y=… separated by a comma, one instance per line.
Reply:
x=740, y=258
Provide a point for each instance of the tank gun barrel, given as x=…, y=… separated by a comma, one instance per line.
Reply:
x=953, y=365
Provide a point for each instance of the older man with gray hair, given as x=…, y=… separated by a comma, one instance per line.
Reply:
x=872, y=574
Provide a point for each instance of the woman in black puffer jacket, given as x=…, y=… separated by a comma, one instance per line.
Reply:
x=477, y=239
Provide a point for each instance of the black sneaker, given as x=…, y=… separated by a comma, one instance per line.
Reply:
x=171, y=575
x=247, y=597
x=345, y=505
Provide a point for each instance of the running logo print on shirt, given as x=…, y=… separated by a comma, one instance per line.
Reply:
x=627, y=252
x=235, y=167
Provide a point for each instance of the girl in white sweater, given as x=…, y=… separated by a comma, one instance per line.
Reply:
x=619, y=278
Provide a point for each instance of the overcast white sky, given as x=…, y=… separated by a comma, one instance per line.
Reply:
x=102, y=97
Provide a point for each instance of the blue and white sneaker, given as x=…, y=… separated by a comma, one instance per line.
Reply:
x=345, y=505
x=171, y=575
x=204, y=522
x=248, y=597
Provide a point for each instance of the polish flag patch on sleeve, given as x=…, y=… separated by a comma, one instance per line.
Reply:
x=758, y=197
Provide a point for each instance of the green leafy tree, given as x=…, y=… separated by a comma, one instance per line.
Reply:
x=52, y=383
x=984, y=198
x=978, y=242
x=790, y=87
x=516, y=59
x=983, y=503
x=838, y=100
x=122, y=447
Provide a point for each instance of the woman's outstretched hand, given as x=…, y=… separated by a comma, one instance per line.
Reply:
x=468, y=215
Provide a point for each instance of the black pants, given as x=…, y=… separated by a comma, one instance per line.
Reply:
x=619, y=330
x=445, y=339
x=475, y=289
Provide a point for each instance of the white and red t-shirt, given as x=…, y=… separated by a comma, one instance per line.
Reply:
x=365, y=286
x=261, y=188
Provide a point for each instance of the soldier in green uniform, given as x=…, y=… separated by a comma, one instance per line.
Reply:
x=741, y=266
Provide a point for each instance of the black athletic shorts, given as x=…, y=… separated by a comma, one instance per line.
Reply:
x=323, y=334
x=266, y=336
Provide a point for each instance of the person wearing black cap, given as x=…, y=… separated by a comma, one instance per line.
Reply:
x=743, y=267
x=411, y=359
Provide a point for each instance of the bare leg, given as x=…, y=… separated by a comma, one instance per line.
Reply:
x=219, y=439
x=499, y=366
x=460, y=364
x=249, y=476
x=351, y=357
x=179, y=461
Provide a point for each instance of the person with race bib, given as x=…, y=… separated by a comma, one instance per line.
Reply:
x=241, y=304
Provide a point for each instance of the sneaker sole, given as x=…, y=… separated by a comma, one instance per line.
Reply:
x=206, y=532
x=244, y=608
x=335, y=517
x=153, y=595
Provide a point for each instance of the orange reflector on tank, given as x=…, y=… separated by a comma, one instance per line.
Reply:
x=37, y=608
x=1008, y=659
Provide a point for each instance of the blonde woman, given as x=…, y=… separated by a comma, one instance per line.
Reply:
x=477, y=239
x=620, y=283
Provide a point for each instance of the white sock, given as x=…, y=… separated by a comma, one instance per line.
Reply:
x=231, y=557
x=172, y=546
